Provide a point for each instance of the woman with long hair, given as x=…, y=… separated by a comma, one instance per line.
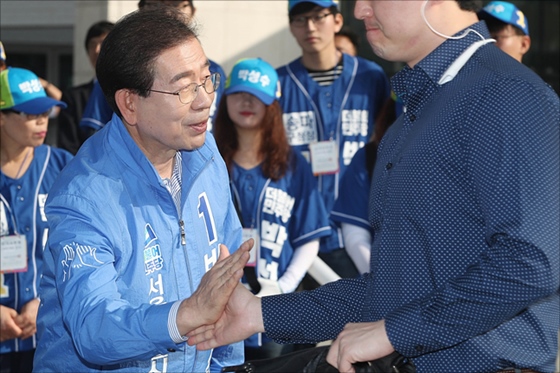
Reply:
x=272, y=185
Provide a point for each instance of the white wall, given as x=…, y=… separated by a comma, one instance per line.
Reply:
x=229, y=30
x=88, y=12
x=35, y=13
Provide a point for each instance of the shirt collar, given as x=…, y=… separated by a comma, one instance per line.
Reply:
x=435, y=63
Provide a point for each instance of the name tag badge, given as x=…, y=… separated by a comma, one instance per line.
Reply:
x=252, y=233
x=13, y=256
x=324, y=157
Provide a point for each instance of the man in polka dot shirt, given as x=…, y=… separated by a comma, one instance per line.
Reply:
x=465, y=211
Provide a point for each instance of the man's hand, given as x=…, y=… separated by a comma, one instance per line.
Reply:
x=27, y=319
x=242, y=318
x=8, y=326
x=359, y=342
x=207, y=303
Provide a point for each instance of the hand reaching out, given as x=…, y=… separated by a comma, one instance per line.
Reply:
x=242, y=318
x=207, y=303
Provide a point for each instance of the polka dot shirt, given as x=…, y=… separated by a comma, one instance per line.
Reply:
x=465, y=209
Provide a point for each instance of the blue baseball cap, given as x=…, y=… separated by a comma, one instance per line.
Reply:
x=254, y=76
x=506, y=12
x=321, y=3
x=21, y=90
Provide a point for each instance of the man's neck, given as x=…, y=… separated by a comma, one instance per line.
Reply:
x=321, y=61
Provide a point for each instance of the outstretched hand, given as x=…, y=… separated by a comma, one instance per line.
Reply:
x=207, y=303
x=242, y=318
x=359, y=342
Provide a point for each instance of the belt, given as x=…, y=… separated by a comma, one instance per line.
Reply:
x=517, y=370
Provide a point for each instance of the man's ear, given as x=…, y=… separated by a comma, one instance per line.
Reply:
x=525, y=44
x=338, y=21
x=127, y=102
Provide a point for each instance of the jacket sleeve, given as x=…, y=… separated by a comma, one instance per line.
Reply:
x=226, y=356
x=105, y=328
x=321, y=313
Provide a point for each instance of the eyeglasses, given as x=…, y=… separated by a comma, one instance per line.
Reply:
x=26, y=116
x=188, y=94
x=317, y=19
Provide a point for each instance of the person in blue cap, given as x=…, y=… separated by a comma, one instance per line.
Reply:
x=509, y=26
x=50, y=89
x=272, y=186
x=330, y=101
x=28, y=170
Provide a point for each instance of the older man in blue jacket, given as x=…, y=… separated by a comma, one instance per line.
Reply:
x=134, y=260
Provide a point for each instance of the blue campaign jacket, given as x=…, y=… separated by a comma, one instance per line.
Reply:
x=115, y=263
x=22, y=211
x=344, y=112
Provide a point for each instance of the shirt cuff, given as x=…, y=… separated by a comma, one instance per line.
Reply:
x=172, y=324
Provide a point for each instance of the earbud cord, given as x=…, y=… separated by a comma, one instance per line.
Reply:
x=454, y=68
x=423, y=13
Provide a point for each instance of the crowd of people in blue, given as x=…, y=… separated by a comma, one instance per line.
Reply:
x=173, y=225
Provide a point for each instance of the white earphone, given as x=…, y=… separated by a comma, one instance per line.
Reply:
x=423, y=13
x=458, y=64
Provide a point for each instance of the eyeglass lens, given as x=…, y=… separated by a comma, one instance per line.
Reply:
x=210, y=85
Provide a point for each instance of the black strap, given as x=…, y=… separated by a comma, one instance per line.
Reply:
x=249, y=272
x=251, y=277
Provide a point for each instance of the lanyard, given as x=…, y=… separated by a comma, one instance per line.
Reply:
x=6, y=206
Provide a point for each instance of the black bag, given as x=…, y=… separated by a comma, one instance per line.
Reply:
x=314, y=360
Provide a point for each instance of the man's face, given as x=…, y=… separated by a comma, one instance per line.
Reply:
x=94, y=47
x=394, y=29
x=163, y=122
x=512, y=43
x=314, y=36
